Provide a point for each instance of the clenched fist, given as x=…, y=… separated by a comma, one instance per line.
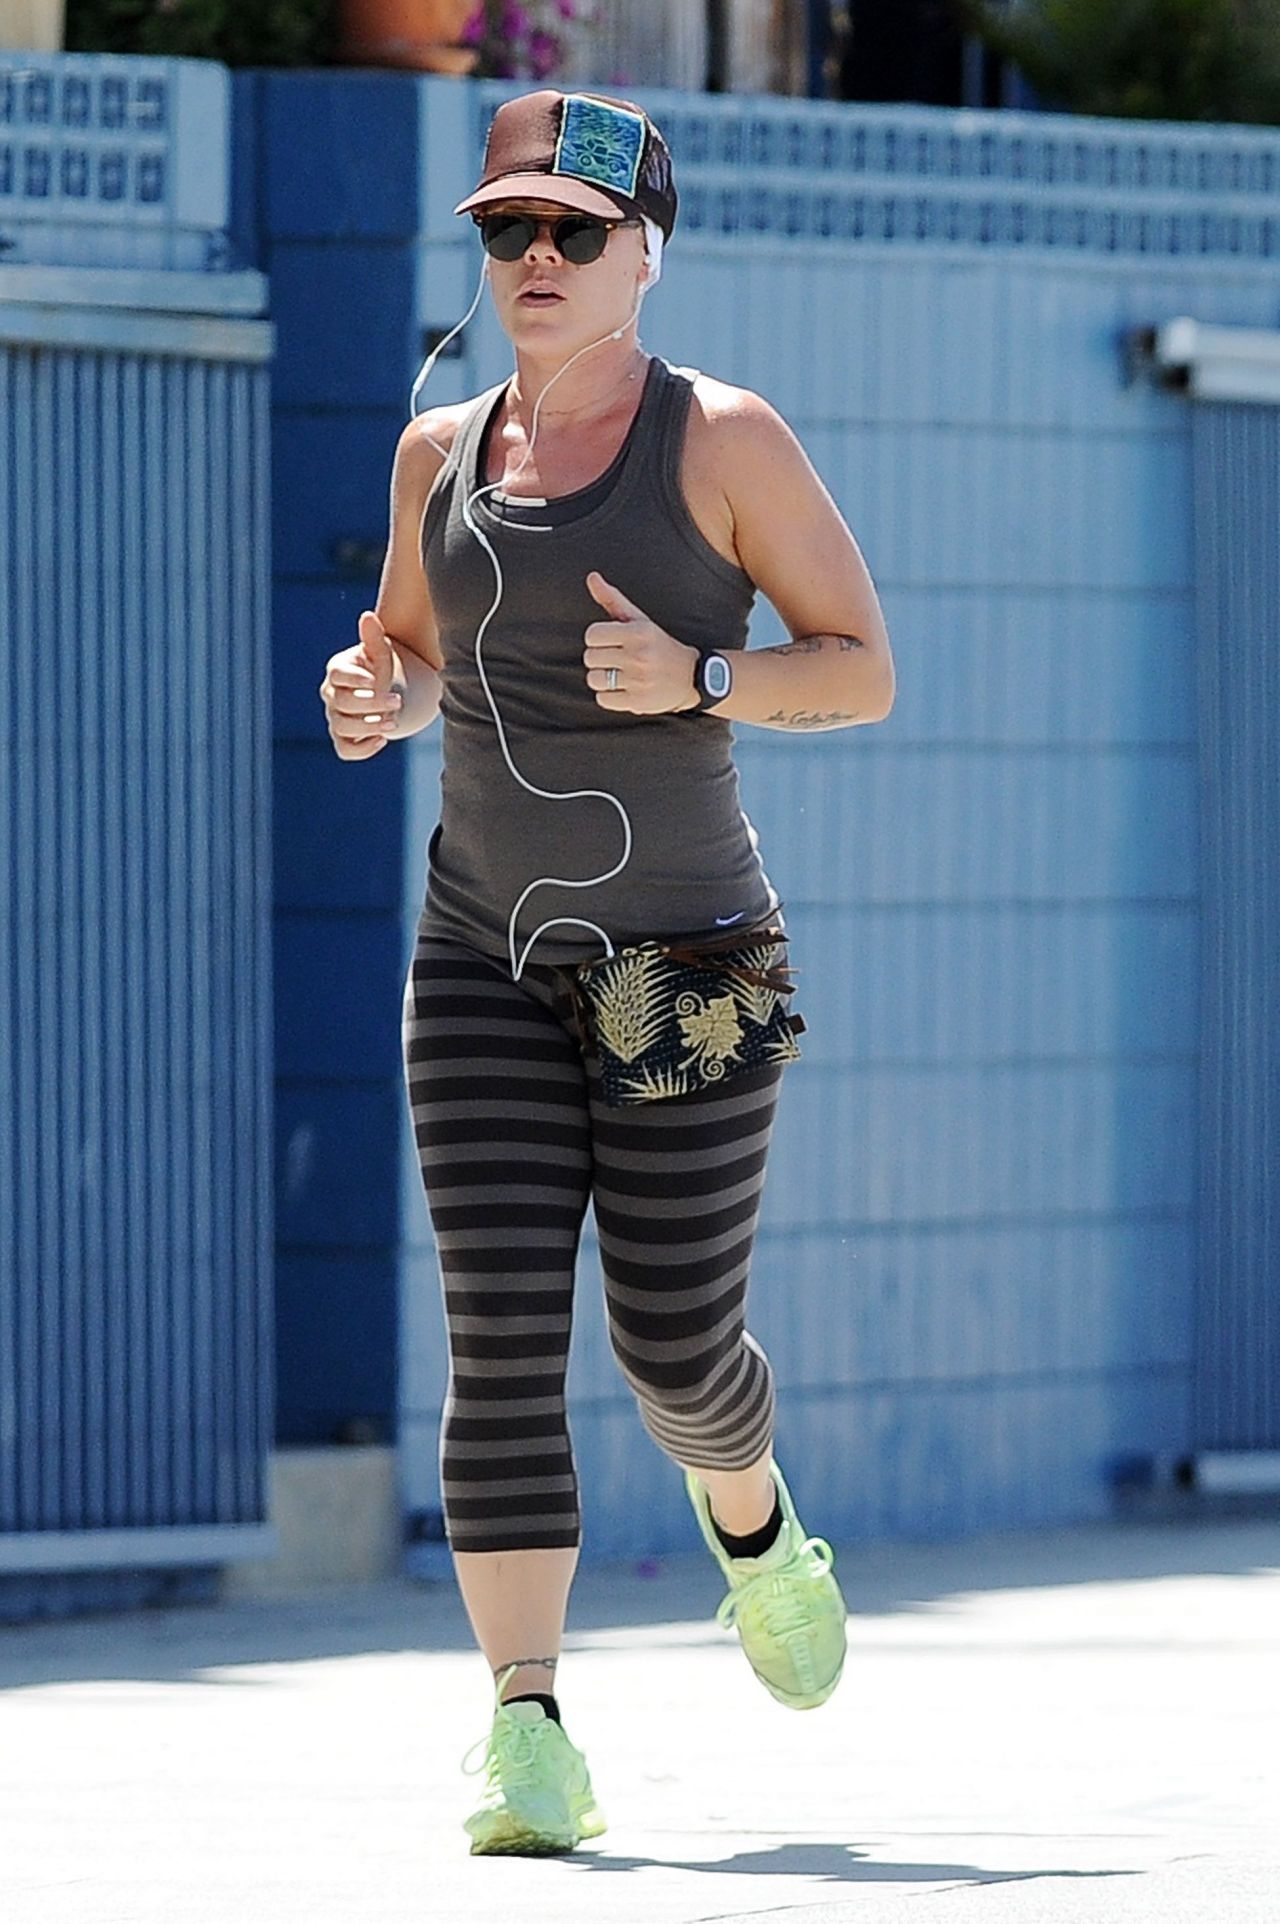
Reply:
x=361, y=697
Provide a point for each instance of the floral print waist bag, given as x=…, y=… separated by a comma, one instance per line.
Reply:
x=666, y=1018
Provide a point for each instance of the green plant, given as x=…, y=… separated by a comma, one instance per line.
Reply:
x=1213, y=60
x=272, y=33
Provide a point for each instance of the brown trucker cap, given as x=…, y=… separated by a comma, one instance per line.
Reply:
x=587, y=151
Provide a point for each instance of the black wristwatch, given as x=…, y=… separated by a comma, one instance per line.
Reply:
x=713, y=680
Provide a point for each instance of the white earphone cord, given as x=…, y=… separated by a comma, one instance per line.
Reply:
x=653, y=238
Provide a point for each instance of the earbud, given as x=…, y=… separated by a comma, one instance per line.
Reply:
x=653, y=251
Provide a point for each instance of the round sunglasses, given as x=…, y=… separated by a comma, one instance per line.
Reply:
x=579, y=237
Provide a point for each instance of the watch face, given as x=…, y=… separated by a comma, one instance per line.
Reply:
x=717, y=677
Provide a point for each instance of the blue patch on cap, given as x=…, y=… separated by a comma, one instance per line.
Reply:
x=600, y=144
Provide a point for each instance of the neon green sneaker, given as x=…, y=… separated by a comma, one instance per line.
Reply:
x=787, y=1605
x=537, y=1796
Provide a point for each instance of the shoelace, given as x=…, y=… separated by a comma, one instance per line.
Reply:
x=510, y=1746
x=770, y=1594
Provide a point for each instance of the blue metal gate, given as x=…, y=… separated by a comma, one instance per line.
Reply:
x=135, y=856
x=1237, y=514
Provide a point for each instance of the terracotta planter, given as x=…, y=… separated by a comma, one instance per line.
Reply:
x=32, y=26
x=406, y=33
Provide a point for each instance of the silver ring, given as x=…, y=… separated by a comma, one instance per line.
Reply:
x=612, y=675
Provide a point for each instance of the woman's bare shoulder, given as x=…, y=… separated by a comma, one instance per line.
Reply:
x=425, y=442
x=724, y=408
x=734, y=430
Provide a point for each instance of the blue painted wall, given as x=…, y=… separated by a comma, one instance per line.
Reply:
x=978, y=1264
x=975, y=1273
x=976, y=1268
x=325, y=191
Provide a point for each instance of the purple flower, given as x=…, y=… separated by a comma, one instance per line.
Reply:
x=566, y=9
x=544, y=53
x=514, y=19
x=474, y=29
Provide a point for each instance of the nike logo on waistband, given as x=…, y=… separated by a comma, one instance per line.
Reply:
x=722, y=919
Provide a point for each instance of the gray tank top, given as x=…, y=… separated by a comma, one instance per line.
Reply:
x=694, y=868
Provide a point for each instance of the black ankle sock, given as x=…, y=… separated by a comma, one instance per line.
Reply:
x=549, y=1704
x=759, y=1540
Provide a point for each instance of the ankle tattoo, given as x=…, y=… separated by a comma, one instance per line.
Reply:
x=547, y=1663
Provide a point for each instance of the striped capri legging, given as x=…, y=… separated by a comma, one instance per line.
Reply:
x=513, y=1136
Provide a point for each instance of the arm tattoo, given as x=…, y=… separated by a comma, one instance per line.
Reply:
x=805, y=645
x=812, y=645
x=807, y=718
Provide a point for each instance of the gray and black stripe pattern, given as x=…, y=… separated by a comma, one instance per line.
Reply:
x=513, y=1140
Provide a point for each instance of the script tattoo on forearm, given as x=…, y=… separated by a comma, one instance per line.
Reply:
x=808, y=718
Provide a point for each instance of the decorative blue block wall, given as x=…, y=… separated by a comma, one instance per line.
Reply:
x=114, y=162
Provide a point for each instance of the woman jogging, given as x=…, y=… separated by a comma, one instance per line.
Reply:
x=569, y=586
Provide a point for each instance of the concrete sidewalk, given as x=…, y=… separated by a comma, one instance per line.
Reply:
x=1074, y=1725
